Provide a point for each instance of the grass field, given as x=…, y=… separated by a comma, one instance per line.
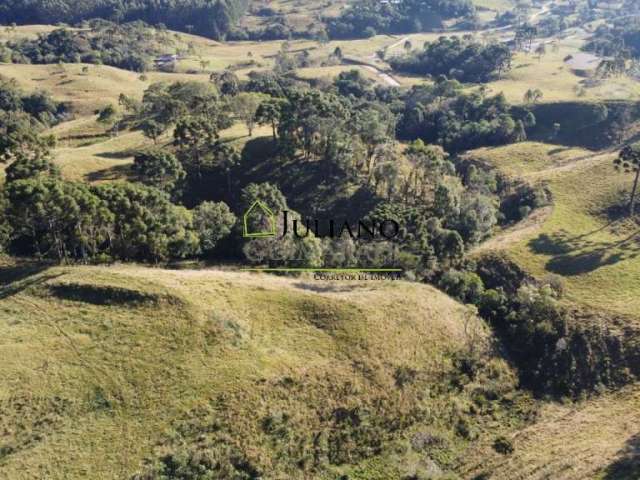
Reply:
x=101, y=364
x=557, y=81
x=106, y=366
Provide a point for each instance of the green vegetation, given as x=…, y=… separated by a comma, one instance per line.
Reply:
x=22, y=117
x=462, y=120
x=367, y=18
x=131, y=46
x=459, y=59
x=211, y=19
x=213, y=373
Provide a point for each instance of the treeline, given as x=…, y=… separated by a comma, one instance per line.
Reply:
x=458, y=58
x=130, y=46
x=186, y=196
x=210, y=18
x=444, y=114
x=23, y=116
x=559, y=350
x=367, y=18
x=348, y=130
x=619, y=38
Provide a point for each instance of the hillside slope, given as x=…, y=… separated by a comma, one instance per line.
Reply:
x=104, y=367
x=586, y=238
x=597, y=440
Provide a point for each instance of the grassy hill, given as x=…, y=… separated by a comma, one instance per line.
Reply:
x=585, y=237
x=108, y=371
x=104, y=367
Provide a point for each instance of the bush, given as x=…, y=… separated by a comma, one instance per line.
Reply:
x=503, y=445
x=213, y=222
x=465, y=286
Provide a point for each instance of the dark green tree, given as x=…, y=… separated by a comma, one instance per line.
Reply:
x=61, y=220
x=269, y=113
x=628, y=161
x=213, y=222
x=160, y=169
x=147, y=226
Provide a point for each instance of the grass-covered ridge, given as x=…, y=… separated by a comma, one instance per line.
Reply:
x=105, y=367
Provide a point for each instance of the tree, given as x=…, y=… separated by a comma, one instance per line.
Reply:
x=354, y=83
x=245, y=106
x=628, y=161
x=533, y=95
x=159, y=169
x=194, y=136
x=541, y=50
x=5, y=227
x=374, y=127
x=213, y=222
x=146, y=225
x=31, y=162
x=461, y=59
x=227, y=82
x=408, y=46
x=152, y=129
x=58, y=219
x=269, y=113
x=267, y=193
x=107, y=114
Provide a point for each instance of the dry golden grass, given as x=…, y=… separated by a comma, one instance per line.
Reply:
x=109, y=376
x=528, y=158
x=101, y=86
x=22, y=32
x=556, y=80
x=571, y=442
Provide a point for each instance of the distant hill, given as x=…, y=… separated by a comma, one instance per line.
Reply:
x=211, y=19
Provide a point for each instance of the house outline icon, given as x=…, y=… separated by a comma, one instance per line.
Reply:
x=271, y=232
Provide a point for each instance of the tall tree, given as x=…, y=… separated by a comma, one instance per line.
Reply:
x=61, y=220
x=159, y=169
x=213, y=222
x=269, y=113
x=245, y=106
x=629, y=161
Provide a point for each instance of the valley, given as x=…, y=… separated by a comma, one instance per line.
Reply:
x=136, y=347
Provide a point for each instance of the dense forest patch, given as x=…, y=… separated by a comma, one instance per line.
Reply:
x=131, y=46
x=367, y=18
x=460, y=59
x=211, y=19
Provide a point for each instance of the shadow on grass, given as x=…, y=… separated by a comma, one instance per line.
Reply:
x=627, y=466
x=577, y=255
x=325, y=288
x=123, y=155
x=116, y=172
x=16, y=278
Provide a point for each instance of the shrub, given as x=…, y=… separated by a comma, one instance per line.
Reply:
x=503, y=445
x=465, y=286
